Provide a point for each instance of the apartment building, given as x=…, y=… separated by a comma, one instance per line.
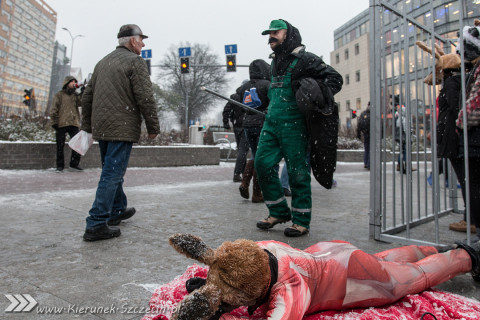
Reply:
x=27, y=38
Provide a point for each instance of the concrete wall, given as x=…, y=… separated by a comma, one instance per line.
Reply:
x=43, y=156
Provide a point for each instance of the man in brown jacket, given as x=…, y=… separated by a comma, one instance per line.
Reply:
x=113, y=104
x=66, y=119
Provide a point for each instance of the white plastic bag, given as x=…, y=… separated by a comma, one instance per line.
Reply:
x=81, y=142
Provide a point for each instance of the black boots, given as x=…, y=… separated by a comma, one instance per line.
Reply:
x=127, y=214
x=474, y=252
x=102, y=232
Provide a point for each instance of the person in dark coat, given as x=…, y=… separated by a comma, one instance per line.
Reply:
x=116, y=99
x=253, y=122
x=234, y=114
x=363, y=129
x=285, y=132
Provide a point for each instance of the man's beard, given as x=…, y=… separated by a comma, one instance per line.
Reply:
x=70, y=90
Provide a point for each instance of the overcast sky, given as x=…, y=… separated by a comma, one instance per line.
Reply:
x=213, y=22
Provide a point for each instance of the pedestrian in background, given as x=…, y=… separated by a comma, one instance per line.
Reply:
x=114, y=102
x=234, y=114
x=284, y=132
x=363, y=133
x=400, y=134
x=259, y=72
x=65, y=119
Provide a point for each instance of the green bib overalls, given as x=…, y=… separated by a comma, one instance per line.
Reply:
x=284, y=135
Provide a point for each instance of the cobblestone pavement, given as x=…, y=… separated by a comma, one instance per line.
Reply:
x=44, y=212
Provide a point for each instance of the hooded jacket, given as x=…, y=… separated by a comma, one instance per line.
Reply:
x=233, y=113
x=260, y=79
x=65, y=105
x=118, y=95
x=323, y=129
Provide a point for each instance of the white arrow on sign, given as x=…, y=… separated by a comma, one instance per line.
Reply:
x=20, y=303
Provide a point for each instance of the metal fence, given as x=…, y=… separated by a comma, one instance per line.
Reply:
x=404, y=208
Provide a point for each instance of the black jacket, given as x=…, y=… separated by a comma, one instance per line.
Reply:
x=233, y=113
x=448, y=108
x=260, y=79
x=364, y=124
x=323, y=129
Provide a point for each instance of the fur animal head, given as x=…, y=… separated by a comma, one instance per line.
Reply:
x=471, y=42
x=443, y=62
x=239, y=274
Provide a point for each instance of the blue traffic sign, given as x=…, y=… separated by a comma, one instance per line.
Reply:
x=185, y=52
x=230, y=48
x=147, y=54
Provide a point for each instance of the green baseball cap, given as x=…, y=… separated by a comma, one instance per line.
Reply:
x=275, y=25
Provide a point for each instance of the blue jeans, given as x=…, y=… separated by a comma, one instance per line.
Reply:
x=284, y=177
x=110, y=200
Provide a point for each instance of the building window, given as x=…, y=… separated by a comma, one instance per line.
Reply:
x=347, y=79
x=357, y=76
x=338, y=105
x=347, y=104
x=357, y=49
x=337, y=58
x=346, y=54
x=359, y=103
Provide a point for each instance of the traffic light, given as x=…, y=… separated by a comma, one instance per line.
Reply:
x=28, y=97
x=353, y=114
x=184, y=65
x=231, y=63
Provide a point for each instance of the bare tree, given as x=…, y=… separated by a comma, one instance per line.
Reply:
x=205, y=70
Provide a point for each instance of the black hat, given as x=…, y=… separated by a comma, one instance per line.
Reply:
x=129, y=30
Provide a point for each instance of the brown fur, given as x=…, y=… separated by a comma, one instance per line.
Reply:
x=443, y=62
x=238, y=276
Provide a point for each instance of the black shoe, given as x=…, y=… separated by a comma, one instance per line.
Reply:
x=76, y=168
x=59, y=169
x=102, y=232
x=473, y=251
x=237, y=178
x=287, y=192
x=127, y=214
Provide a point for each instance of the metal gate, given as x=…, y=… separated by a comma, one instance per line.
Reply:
x=404, y=208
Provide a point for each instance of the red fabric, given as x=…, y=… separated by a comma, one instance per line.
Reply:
x=443, y=305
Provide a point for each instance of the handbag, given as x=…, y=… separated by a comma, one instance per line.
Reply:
x=81, y=142
x=251, y=98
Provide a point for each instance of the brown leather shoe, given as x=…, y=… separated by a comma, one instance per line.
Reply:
x=461, y=226
x=295, y=231
x=270, y=222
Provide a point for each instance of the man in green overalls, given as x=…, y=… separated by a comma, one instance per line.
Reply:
x=285, y=134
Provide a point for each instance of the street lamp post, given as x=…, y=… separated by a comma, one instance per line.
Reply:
x=71, y=49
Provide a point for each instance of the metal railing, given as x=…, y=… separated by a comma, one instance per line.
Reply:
x=403, y=206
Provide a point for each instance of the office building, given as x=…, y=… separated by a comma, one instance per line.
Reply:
x=27, y=38
x=351, y=56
